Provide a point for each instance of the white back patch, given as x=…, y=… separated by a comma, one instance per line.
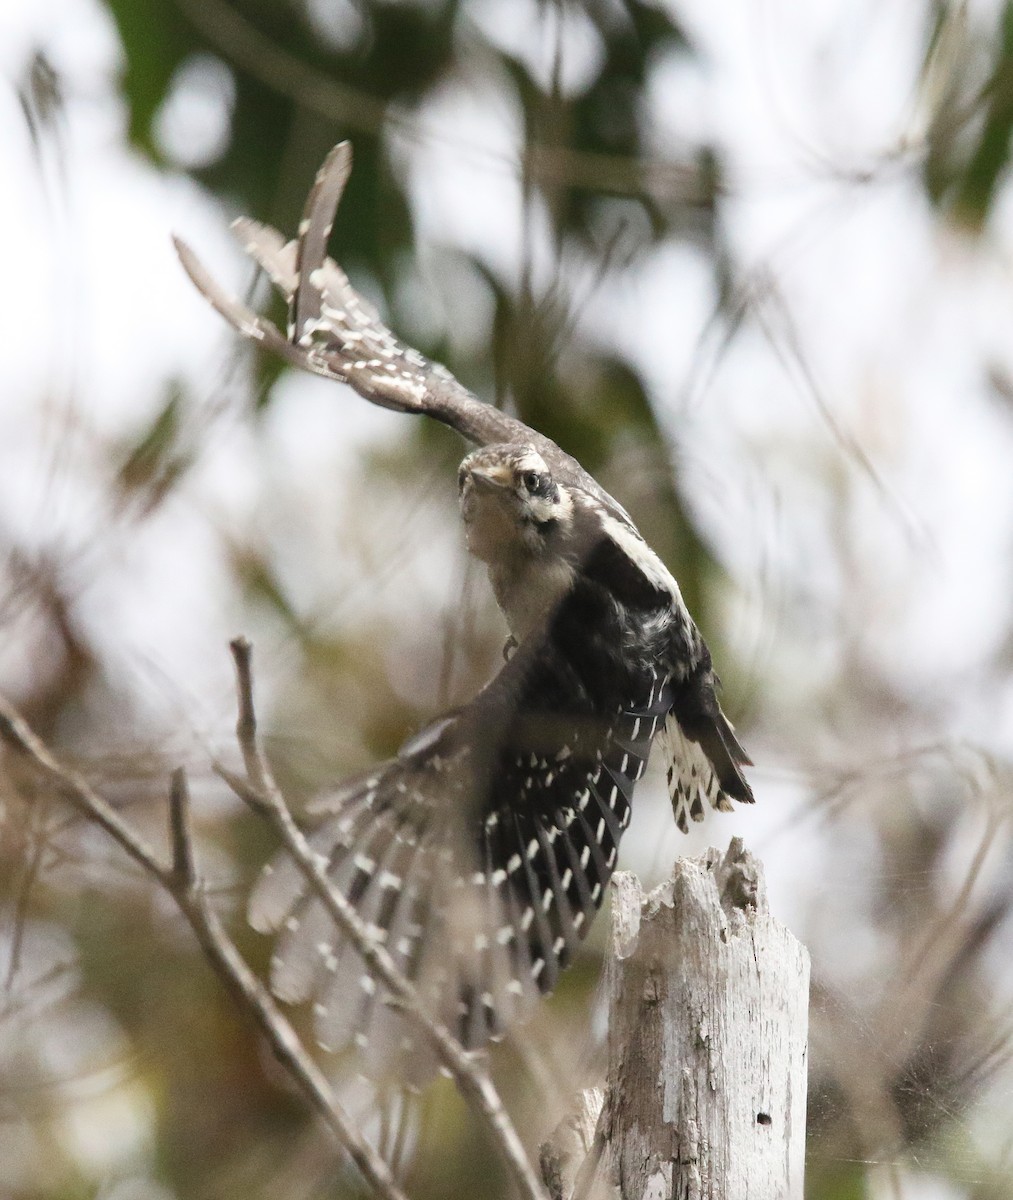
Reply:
x=634, y=546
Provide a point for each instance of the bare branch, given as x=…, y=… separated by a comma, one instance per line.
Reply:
x=32, y=868
x=263, y=794
x=73, y=787
x=257, y=768
x=587, y=1175
x=570, y=1157
x=183, y=885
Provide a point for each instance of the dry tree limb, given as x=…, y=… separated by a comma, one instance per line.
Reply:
x=181, y=881
x=260, y=791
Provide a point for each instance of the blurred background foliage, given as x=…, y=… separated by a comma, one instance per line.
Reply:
x=124, y=1071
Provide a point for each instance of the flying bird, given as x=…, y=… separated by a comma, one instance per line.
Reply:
x=479, y=855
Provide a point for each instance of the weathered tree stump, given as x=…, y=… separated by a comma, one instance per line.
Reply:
x=708, y=1023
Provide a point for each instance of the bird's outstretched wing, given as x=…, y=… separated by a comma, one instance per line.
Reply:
x=334, y=332
x=479, y=856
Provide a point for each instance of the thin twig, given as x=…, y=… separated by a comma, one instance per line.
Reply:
x=73, y=787
x=904, y=1012
x=262, y=793
x=183, y=866
x=251, y=993
x=258, y=769
x=182, y=884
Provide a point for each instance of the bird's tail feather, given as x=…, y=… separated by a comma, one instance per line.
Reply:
x=704, y=766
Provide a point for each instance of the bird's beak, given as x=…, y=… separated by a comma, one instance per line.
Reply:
x=491, y=479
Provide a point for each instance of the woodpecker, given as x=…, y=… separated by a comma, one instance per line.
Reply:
x=551, y=547
x=479, y=855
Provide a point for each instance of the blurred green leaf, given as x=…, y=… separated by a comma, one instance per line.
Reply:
x=155, y=40
x=969, y=150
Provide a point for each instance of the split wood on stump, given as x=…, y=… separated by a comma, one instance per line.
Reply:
x=708, y=1023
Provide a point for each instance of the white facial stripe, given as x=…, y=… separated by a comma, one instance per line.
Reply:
x=531, y=460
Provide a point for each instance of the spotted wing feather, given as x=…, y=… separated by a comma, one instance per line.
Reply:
x=478, y=857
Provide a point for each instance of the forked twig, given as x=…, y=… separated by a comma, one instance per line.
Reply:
x=181, y=882
x=261, y=792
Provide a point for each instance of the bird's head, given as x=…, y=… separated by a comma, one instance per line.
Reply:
x=510, y=502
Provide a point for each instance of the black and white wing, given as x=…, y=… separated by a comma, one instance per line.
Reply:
x=478, y=857
x=334, y=332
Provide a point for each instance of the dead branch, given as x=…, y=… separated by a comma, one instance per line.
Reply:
x=181, y=881
x=261, y=792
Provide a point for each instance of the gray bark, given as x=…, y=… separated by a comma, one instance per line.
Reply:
x=708, y=1024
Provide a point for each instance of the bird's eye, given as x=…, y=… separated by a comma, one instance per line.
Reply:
x=531, y=480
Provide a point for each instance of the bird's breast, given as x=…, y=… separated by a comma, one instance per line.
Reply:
x=529, y=589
